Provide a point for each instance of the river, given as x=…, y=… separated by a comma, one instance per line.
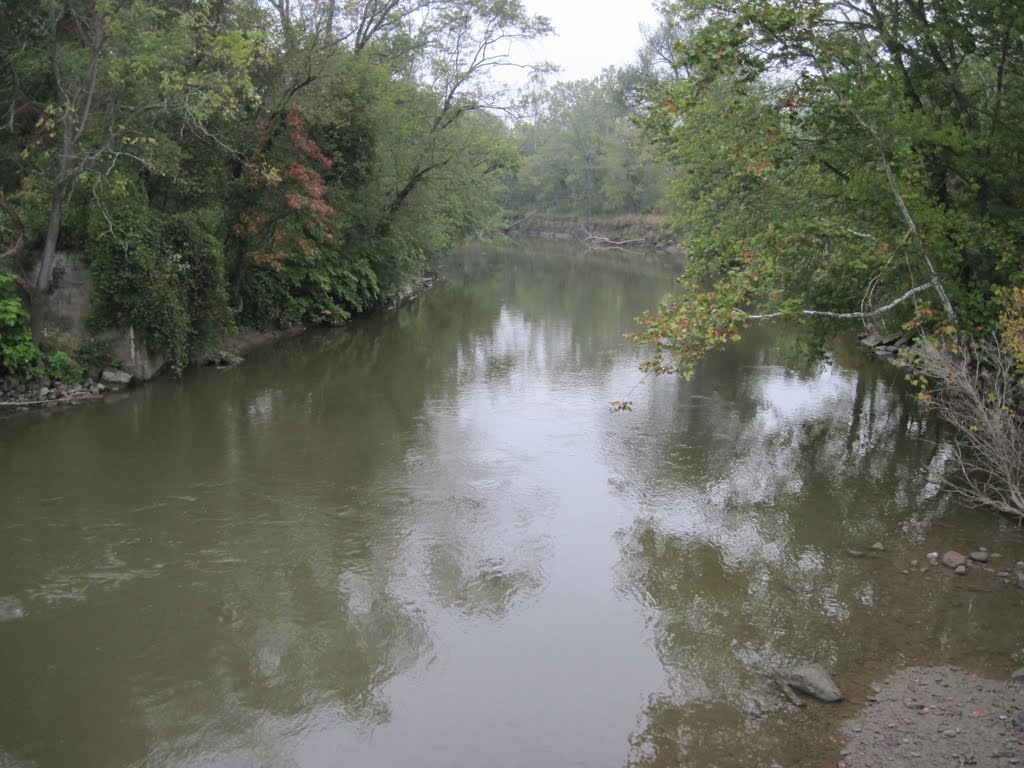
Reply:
x=425, y=540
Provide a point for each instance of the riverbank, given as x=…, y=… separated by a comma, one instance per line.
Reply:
x=627, y=232
x=18, y=394
x=938, y=716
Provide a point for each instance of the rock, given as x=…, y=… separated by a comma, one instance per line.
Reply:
x=913, y=563
x=44, y=392
x=1018, y=675
x=115, y=378
x=953, y=559
x=754, y=708
x=855, y=553
x=878, y=546
x=960, y=570
x=813, y=680
x=933, y=558
x=981, y=556
x=1018, y=720
x=227, y=359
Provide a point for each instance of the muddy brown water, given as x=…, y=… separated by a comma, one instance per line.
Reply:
x=424, y=540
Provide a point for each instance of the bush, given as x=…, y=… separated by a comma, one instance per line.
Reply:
x=163, y=275
x=975, y=386
x=18, y=355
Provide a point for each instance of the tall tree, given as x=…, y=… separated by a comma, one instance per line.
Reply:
x=99, y=84
x=841, y=160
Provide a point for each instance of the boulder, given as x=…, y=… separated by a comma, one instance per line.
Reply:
x=981, y=556
x=953, y=559
x=813, y=680
x=115, y=378
x=228, y=359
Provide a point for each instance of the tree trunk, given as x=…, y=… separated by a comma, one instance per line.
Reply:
x=42, y=282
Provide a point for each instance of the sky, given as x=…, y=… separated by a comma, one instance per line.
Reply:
x=592, y=34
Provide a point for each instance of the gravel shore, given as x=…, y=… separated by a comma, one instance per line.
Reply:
x=937, y=716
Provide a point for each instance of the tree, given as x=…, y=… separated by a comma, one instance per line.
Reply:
x=582, y=152
x=114, y=76
x=840, y=160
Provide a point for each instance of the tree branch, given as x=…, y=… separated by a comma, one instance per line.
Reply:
x=12, y=214
x=842, y=315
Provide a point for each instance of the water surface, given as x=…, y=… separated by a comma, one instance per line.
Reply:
x=424, y=540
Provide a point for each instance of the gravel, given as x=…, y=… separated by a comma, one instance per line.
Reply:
x=937, y=716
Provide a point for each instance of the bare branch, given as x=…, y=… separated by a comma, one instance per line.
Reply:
x=947, y=305
x=843, y=315
x=19, y=225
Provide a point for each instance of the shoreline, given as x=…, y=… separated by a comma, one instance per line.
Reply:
x=17, y=395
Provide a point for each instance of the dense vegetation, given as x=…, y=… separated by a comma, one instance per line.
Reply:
x=227, y=163
x=583, y=152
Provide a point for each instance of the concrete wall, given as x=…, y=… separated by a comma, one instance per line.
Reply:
x=67, y=303
x=66, y=309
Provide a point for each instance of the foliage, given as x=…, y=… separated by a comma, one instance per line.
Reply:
x=59, y=366
x=839, y=162
x=161, y=275
x=1011, y=324
x=18, y=355
x=582, y=152
x=225, y=161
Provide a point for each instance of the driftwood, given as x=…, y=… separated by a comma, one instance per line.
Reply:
x=788, y=692
x=516, y=223
x=594, y=241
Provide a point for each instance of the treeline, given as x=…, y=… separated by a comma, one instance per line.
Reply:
x=227, y=163
x=583, y=152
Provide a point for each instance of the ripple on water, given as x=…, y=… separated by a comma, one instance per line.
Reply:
x=11, y=608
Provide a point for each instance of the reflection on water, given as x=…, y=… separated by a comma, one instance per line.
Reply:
x=425, y=540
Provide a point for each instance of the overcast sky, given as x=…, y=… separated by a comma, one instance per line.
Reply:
x=592, y=34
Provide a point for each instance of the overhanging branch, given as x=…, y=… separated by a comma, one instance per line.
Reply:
x=842, y=315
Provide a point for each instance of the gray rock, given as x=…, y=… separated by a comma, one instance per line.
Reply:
x=44, y=392
x=754, y=708
x=960, y=570
x=228, y=359
x=953, y=559
x=813, y=680
x=1018, y=720
x=981, y=556
x=933, y=558
x=115, y=378
x=878, y=546
x=1017, y=675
